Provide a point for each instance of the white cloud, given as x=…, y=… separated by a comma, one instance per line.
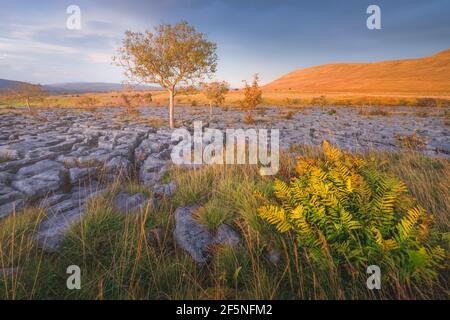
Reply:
x=98, y=57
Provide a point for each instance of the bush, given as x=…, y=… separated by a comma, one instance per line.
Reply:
x=252, y=94
x=412, y=142
x=427, y=102
x=376, y=112
x=248, y=118
x=346, y=215
x=289, y=115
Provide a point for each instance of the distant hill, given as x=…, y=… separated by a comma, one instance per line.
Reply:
x=430, y=75
x=85, y=87
x=76, y=87
x=7, y=84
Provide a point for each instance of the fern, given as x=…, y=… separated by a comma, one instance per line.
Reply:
x=342, y=206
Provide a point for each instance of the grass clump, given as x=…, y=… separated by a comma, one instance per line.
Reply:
x=134, y=188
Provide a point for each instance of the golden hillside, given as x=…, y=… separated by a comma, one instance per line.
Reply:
x=429, y=75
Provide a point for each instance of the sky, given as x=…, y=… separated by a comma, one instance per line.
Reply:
x=270, y=37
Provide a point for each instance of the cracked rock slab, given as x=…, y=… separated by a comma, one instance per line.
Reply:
x=39, y=185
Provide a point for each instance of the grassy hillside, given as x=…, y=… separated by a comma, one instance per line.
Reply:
x=424, y=76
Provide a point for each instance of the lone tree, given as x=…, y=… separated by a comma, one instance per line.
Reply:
x=169, y=56
x=28, y=93
x=215, y=93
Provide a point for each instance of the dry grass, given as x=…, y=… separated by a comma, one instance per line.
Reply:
x=283, y=98
x=135, y=257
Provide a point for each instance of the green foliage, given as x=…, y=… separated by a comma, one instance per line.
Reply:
x=342, y=210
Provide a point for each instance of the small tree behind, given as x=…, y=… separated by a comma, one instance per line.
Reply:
x=252, y=97
x=320, y=101
x=215, y=93
x=28, y=93
x=128, y=101
x=169, y=56
x=87, y=101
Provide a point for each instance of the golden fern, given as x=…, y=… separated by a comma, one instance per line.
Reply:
x=349, y=210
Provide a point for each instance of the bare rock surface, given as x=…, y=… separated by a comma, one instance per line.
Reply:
x=129, y=203
x=165, y=190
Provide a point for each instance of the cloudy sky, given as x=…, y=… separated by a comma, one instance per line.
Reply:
x=270, y=37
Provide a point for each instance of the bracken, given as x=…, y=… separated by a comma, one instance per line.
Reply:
x=342, y=210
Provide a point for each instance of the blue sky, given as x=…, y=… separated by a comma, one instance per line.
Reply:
x=270, y=37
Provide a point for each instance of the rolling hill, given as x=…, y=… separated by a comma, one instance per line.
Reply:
x=86, y=87
x=76, y=87
x=8, y=84
x=429, y=75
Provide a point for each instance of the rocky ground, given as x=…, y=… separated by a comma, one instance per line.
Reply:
x=61, y=158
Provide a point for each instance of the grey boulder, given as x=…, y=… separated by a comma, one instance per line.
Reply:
x=194, y=238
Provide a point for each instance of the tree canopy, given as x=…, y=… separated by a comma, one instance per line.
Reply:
x=170, y=55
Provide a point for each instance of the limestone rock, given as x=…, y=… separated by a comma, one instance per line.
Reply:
x=13, y=206
x=41, y=184
x=39, y=167
x=165, y=190
x=52, y=230
x=128, y=203
x=195, y=238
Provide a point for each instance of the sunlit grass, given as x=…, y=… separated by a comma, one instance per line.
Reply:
x=134, y=256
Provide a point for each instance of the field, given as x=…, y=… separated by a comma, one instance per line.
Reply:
x=288, y=98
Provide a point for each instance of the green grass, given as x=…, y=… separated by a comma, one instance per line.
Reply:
x=134, y=188
x=120, y=258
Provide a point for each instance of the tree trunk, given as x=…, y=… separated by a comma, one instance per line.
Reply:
x=210, y=110
x=28, y=104
x=171, y=102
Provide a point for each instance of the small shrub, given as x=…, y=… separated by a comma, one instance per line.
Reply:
x=248, y=118
x=289, y=115
x=332, y=112
x=346, y=215
x=130, y=102
x=87, y=101
x=252, y=94
x=320, y=101
x=422, y=114
x=194, y=103
x=375, y=112
x=412, y=142
x=427, y=102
